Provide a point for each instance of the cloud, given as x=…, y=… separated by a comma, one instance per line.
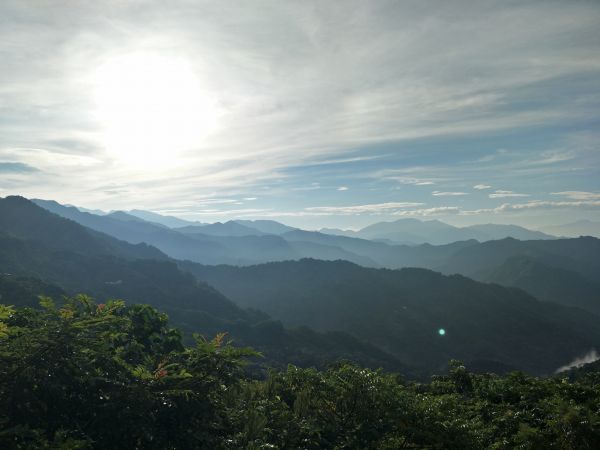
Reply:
x=541, y=204
x=291, y=100
x=362, y=209
x=579, y=195
x=533, y=205
x=440, y=210
x=342, y=160
x=413, y=181
x=505, y=194
x=342, y=188
x=215, y=201
x=312, y=187
x=242, y=212
x=589, y=357
x=448, y=194
x=504, y=208
x=481, y=187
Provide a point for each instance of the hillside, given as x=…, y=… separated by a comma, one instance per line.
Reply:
x=82, y=262
x=22, y=219
x=548, y=283
x=581, y=255
x=402, y=311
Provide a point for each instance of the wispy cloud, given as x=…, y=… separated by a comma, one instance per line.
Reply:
x=448, y=194
x=579, y=195
x=342, y=188
x=506, y=194
x=413, y=181
x=535, y=205
x=481, y=187
x=440, y=210
x=544, y=204
x=388, y=207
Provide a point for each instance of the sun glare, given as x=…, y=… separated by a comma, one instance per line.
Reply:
x=151, y=108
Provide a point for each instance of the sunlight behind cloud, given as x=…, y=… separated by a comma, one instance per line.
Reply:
x=151, y=108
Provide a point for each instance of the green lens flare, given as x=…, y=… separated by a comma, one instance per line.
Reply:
x=441, y=332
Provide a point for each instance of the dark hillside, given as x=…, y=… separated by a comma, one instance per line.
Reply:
x=402, y=311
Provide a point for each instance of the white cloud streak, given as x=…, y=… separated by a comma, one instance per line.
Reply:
x=506, y=194
x=579, y=195
x=441, y=210
x=448, y=194
x=376, y=208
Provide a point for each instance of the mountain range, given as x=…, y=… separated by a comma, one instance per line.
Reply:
x=42, y=253
x=414, y=231
x=575, y=229
x=570, y=266
x=313, y=312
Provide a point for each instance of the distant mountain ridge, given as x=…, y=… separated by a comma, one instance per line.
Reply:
x=207, y=244
x=414, y=231
x=576, y=229
x=168, y=221
x=408, y=231
x=230, y=228
x=238, y=243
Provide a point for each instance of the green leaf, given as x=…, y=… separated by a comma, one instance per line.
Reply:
x=6, y=311
x=47, y=303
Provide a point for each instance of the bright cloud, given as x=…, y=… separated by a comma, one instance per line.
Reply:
x=480, y=187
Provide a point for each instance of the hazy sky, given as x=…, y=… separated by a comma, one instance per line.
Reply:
x=335, y=113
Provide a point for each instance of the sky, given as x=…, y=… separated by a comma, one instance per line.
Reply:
x=317, y=114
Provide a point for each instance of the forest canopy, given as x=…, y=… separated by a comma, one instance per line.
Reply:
x=97, y=376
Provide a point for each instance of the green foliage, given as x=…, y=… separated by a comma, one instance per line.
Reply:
x=86, y=375
x=81, y=375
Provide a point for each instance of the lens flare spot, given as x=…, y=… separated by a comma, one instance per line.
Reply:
x=442, y=332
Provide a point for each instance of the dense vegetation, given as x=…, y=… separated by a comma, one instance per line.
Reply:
x=110, y=376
